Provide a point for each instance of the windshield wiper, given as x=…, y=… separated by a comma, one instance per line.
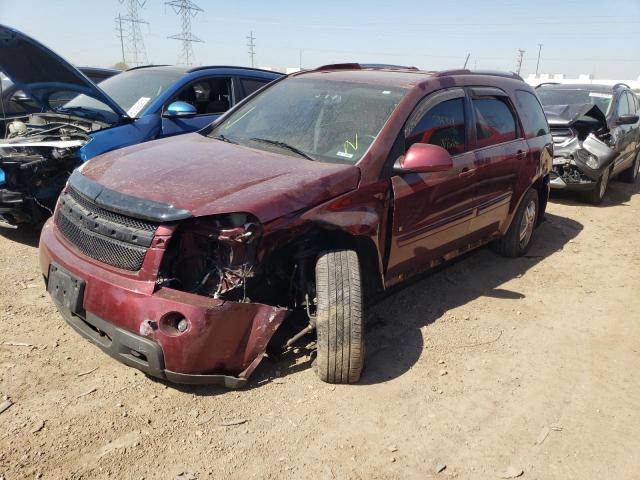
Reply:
x=222, y=138
x=283, y=145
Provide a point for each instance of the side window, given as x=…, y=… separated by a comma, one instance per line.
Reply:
x=632, y=103
x=533, y=117
x=208, y=96
x=441, y=125
x=623, y=105
x=250, y=85
x=495, y=122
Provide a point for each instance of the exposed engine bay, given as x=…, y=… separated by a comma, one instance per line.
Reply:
x=582, y=143
x=37, y=154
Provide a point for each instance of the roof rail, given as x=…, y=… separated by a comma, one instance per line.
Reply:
x=620, y=84
x=362, y=66
x=206, y=67
x=146, y=66
x=547, y=83
x=464, y=71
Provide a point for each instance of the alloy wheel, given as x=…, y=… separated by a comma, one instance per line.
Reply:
x=527, y=223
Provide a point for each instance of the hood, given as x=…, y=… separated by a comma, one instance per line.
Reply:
x=39, y=72
x=206, y=177
x=566, y=115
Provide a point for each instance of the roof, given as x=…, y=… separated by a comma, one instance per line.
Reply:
x=390, y=75
x=592, y=87
x=185, y=69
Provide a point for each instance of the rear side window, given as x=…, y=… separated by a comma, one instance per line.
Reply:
x=442, y=125
x=495, y=122
x=533, y=118
x=250, y=85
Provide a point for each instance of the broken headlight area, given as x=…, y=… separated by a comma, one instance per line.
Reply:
x=581, y=161
x=213, y=256
x=36, y=159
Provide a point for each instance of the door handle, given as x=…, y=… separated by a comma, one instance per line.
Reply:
x=521, y=155
x=467, y=172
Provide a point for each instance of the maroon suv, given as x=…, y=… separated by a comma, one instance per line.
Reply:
x=182, y=257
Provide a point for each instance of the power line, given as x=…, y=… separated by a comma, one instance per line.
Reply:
x=186, y=9
x=252, y=48
x=136, y=53
x=520, y=56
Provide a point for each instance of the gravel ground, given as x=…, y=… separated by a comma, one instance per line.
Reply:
x=488, y=368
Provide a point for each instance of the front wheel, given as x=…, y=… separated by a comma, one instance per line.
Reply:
x=339, y=315
x=630, y=175
x=517, y=240
x=596, y=195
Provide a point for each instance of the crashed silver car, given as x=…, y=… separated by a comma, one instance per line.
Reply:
x=596, y=135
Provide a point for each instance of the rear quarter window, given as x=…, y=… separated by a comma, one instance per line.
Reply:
x=533, y=118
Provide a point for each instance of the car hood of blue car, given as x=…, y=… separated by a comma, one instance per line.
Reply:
x=40, y=72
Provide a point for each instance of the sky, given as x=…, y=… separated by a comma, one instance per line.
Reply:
x=578, y=36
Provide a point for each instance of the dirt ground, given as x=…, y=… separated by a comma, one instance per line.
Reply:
x=490, y=367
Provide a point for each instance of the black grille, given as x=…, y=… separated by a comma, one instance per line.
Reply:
x=114, y=217
x=106, y=236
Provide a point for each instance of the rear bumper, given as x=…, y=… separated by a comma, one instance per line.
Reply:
x=224, y=341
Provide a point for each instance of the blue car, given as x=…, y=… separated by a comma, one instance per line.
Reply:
x=39, y=151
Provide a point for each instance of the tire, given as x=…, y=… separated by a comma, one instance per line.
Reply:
x=630, y=175
x=514, y=244
x=339, y=324
x=596, y=195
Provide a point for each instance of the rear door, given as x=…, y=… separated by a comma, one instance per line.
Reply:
x=432, y=211
x=500, y=150
x=211, y=97
x=624, y=135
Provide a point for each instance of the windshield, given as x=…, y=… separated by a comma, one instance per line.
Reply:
x=132, y=90
x=566, y=96
x=317, y=119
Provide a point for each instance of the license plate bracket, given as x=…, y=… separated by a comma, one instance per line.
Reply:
x=66, y=289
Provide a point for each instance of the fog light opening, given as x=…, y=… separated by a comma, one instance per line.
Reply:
x=174, y=323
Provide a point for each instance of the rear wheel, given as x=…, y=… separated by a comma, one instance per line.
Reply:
x=630, y=175
x=517, y=240
x=339, y=325
x=596, y=195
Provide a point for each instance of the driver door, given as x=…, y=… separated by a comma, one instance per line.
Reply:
x=432, y=212
x=211, y=97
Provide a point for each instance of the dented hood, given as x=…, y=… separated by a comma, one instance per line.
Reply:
x=566, y=115
x=205, y=177
x=39, y=72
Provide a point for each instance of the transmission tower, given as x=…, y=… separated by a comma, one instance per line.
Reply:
x=128, y=28
x=520, y=56
x=187, y=10
x=252, y=48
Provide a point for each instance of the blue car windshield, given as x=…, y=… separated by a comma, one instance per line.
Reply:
x=133, y=91
x=317, y=119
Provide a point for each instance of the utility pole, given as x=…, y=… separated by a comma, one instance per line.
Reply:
x=466, y=61
x=135, y=44
x=252, y=48
x=187, y=10
x=300, y=59
x=520, y=56
x=120, y=31
x=538, y=62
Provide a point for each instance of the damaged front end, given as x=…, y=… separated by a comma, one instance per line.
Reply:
x=581, y=146
x=36, y=158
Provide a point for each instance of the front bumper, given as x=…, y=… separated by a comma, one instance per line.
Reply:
x=12, y=211
x=138, y=352
x=122, y=312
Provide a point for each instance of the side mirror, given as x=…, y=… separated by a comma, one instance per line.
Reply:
x=424, y=158
x=180, y=110
x=628, y=119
